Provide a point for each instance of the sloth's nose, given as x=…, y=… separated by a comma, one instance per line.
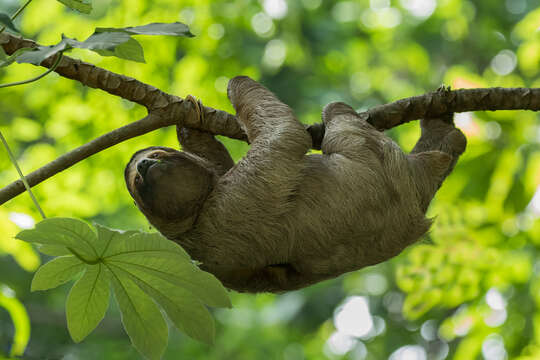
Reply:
x=143, y=165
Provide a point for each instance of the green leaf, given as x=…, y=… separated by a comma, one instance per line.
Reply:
x=11, y=59
x=82, y=6
x=100, y=41
x=87, y=302
x=142, y=265
x=5, y=20
x=119, y=44
x=173, y=29
x=56, y=272
x=37, y=55
x=130, y=50
x=186, y=312
x=74, y=234
x=141, y=317
x=21, y=323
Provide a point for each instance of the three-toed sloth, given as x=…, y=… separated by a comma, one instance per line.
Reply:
x=281, y=219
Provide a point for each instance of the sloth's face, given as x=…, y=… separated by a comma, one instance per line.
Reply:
x=167, y=184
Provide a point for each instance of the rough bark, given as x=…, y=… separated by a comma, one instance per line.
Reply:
x=441, y=102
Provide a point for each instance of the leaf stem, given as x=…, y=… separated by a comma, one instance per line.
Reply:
x=23, y=179
x=52, y=68
x=17, y=14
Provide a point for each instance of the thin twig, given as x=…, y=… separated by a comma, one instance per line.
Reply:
x=23, y=179
x=53, y=67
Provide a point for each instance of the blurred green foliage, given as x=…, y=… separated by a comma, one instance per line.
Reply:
x=471, y=291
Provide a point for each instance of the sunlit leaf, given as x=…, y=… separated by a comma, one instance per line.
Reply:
x=83, y=6
x=173, y=29
x=87, y=302
x=100, y=41
x=141, y=317
x=21, y=323
x=130, y=50
x=74, y=234
x=71, y=233
x=417, y=304
x=56, y=272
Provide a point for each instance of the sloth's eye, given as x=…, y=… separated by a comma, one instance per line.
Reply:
x=138, y=179
x=155, y=155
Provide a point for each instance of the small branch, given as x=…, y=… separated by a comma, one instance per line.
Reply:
x=438, y=103
x=53, y=67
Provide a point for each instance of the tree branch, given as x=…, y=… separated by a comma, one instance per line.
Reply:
x=442, y=102
x=165, y=110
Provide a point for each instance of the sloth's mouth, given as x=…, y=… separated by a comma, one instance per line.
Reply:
x=144, y=165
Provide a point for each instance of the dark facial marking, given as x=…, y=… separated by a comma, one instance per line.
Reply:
x=144, y=164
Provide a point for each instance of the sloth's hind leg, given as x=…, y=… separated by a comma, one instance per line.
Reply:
x=440, y=134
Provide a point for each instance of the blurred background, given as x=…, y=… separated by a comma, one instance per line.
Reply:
x=469, y=290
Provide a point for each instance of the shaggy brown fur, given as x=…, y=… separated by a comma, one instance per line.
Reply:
x=279, y=219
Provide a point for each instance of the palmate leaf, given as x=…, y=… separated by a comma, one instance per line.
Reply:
x=144, y=269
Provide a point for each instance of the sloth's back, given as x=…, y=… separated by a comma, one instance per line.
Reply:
x=351, y=213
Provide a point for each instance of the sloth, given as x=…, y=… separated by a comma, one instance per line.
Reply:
x=282, y=219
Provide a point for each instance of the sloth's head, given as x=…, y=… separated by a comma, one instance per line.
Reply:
x=169, y=186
